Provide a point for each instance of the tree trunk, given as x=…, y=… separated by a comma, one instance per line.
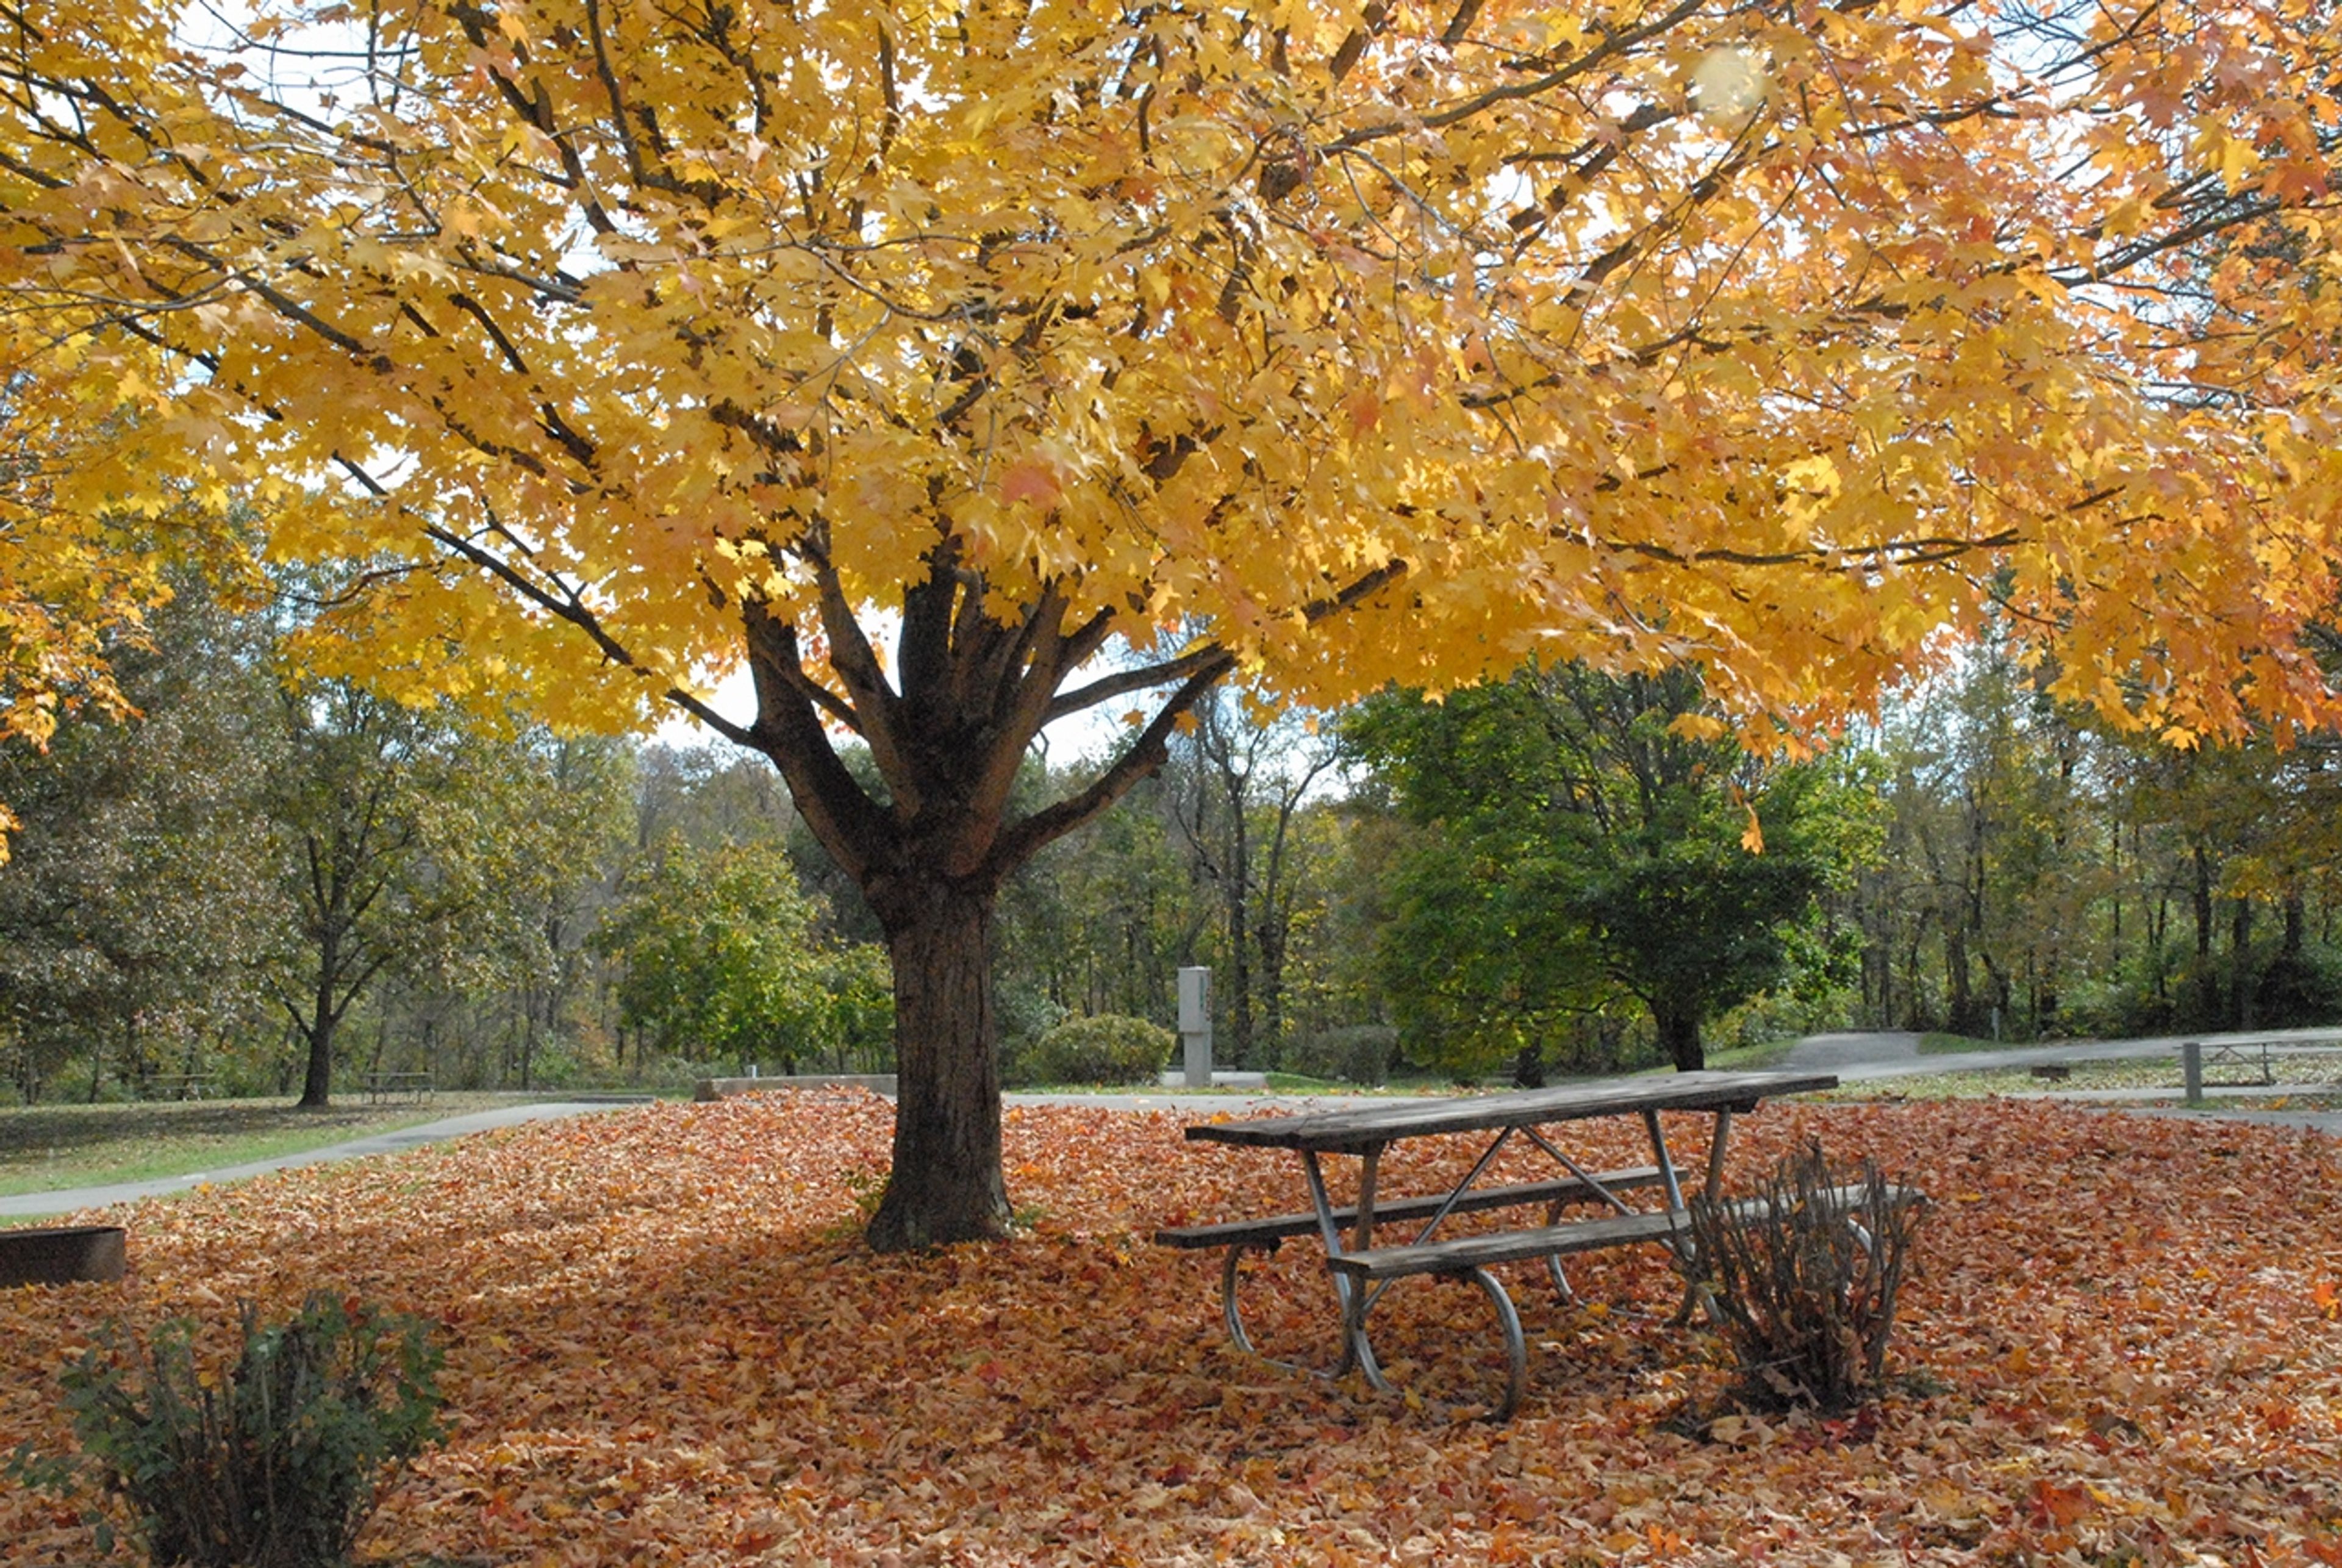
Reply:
x=1273, y=932
x=948, y=729
x=946, y=1183
x=1239, y=992
x=2240, y=964
x=1960, y=1007
x=1679, y=1037
x=1528, y=1068
x=317, y=1034
x=317, y=1077
x=2207, y=978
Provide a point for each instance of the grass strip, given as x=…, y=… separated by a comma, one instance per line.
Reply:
x=47, y=1148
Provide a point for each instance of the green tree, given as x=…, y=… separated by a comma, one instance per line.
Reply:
x=529, y=848
x=1590, y=836
x=1097, y=921
x=141, y=900
x=350, y=802
x=723, y=958
x=2218, y=840
x=1984, y=914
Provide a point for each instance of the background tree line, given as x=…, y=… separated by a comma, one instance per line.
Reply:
x=282, y=882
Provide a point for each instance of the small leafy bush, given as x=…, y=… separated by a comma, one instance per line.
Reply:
x=1109, y=1048
x=1802, y=1277
x=1355, y=1054
x=278, y=1463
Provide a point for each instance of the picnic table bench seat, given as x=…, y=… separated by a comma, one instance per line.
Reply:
x=1271, y=1229
x=1267, y=1233
x=1465, y=1254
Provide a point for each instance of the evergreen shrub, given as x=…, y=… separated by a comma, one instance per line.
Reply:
x=1110, y=1048
x=1354, y=1054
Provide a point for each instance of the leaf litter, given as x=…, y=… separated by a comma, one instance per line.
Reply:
x=668, y=1345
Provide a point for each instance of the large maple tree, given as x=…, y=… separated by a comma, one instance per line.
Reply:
x=923, y=356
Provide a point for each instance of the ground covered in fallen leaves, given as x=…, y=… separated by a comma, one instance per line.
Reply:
x=666, y=1346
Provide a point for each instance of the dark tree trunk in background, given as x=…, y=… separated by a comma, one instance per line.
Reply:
x=1960, y=1004
x=318, y=1035
x=2241, y=997
x=1678, y=1030
x=2207, y=979
x=330, y=1001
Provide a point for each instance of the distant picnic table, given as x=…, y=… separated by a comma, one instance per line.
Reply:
x=415, y=1087
x=1362, y=1267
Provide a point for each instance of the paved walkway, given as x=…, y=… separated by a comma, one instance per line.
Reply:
x=68, y=1200
x=1866, y=1058
x=1855, y=1058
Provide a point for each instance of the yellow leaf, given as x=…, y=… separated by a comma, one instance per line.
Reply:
x=1697, y=726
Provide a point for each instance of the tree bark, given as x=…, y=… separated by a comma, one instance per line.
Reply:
x=1960, y=1007
x=946, y=1183
x=317, y=1077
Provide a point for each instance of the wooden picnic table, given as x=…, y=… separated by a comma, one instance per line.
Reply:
x=1362, y=1270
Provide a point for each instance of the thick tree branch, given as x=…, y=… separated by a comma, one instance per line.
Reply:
x=1122, y=683
x=1025, y=839
x=856, y=663
x=1018, y=705
x=850, y=826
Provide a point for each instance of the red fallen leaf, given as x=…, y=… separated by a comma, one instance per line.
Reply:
x=761, y=1535
x=2057, y=1506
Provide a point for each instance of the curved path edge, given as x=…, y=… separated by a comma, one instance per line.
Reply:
x=68, y=1200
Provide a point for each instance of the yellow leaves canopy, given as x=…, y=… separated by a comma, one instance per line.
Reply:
x=80, y=564
x=1782, y=336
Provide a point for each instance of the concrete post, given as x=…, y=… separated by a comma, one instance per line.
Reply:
x=2191, y=1069
x=1196, y=1025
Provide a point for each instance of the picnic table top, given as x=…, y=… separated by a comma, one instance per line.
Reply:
x=1371, y=1126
